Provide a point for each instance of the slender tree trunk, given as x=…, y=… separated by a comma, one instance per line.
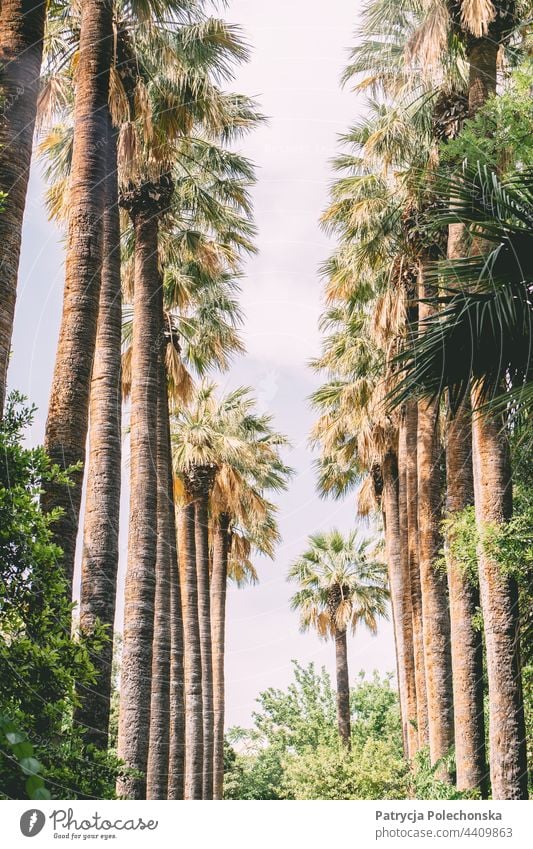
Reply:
x=435, y=611
x=482, y=58
x=194, y=725
x=499, y=604
x=176, y=768
x=68, y=412
x=102, y=508
x=401, y=610
x=405, y=604
x=219, y=580
x=466, y=641
x=343, y=687
x=200, y=482
x=21, y=48
x=158, y=753
x=134, y=722
x=411, y=482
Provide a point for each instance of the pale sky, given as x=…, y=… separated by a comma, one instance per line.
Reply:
x=299, y=51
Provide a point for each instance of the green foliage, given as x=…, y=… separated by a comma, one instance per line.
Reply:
x=459, y=532
x=500, y=134
x=23, y=754
x=40, y=660
x=371, y=771
x=425, y=783
x=293, y=751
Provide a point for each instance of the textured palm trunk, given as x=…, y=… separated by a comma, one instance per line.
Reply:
x=68, y=412
x=102, y=507
x=159, y=748
x=466, y=641
x=21, y=48
x=493, y=497
x=134, y=720
x=343, y=687
x=194, y=724
x=400, y=600
x=499, y=603
x=405, y=609
x=200, y=483
x=176, y=761
x=435, y=610
x=219, y=579
x=411, y=482
x=482, y=58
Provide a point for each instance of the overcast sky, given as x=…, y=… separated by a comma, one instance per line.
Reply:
x=299, y=51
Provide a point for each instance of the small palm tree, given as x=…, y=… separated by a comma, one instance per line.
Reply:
x=341, y=585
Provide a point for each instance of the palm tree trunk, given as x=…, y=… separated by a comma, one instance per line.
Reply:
x=68, y=412
x=219, y=581
x=493, y=497
x=482, y=58
x=176, y=766
x=411, y=483
x=194, y=724
x=435, y=611
x=134, y=722
x=204, y=477
x=21, y=48
x=466, y=641
x=499, y=604
x=411, y=441
x=405, y=609
x=400, y=600
x=158, y=752
x=343, y=687
x=102, y=507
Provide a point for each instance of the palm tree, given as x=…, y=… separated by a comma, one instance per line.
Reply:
x=21, y=46
x=204, y=436
x=242, y=520
x=355, y=437
x=101, y=525
x=340, y=586
x=66, y=426
x=490, y=293
x=163, y=70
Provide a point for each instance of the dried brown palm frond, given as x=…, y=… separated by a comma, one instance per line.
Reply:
x=119, y=106
x=180, y=382
x=127, y=275
x=429, y=41
x=126, y=372
x=367, y=503
x=477, y=15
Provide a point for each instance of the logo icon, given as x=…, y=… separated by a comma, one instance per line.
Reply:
x=32, y=822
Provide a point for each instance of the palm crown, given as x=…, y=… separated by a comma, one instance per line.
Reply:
x=341, y=585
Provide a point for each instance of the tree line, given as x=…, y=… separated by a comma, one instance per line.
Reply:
x=427, y=386
x=138, y=133
x=426, y=338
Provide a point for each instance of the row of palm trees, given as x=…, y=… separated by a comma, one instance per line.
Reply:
x=405, y=367
x=136, y=132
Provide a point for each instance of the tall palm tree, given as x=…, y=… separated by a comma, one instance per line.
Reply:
x=66, y=426
x=341, y=586
x=101, y=524
x=21, y=46
x=488, y=292
x=205, y=435
x=355, y=437
x=166, y=70
x=242, y=520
